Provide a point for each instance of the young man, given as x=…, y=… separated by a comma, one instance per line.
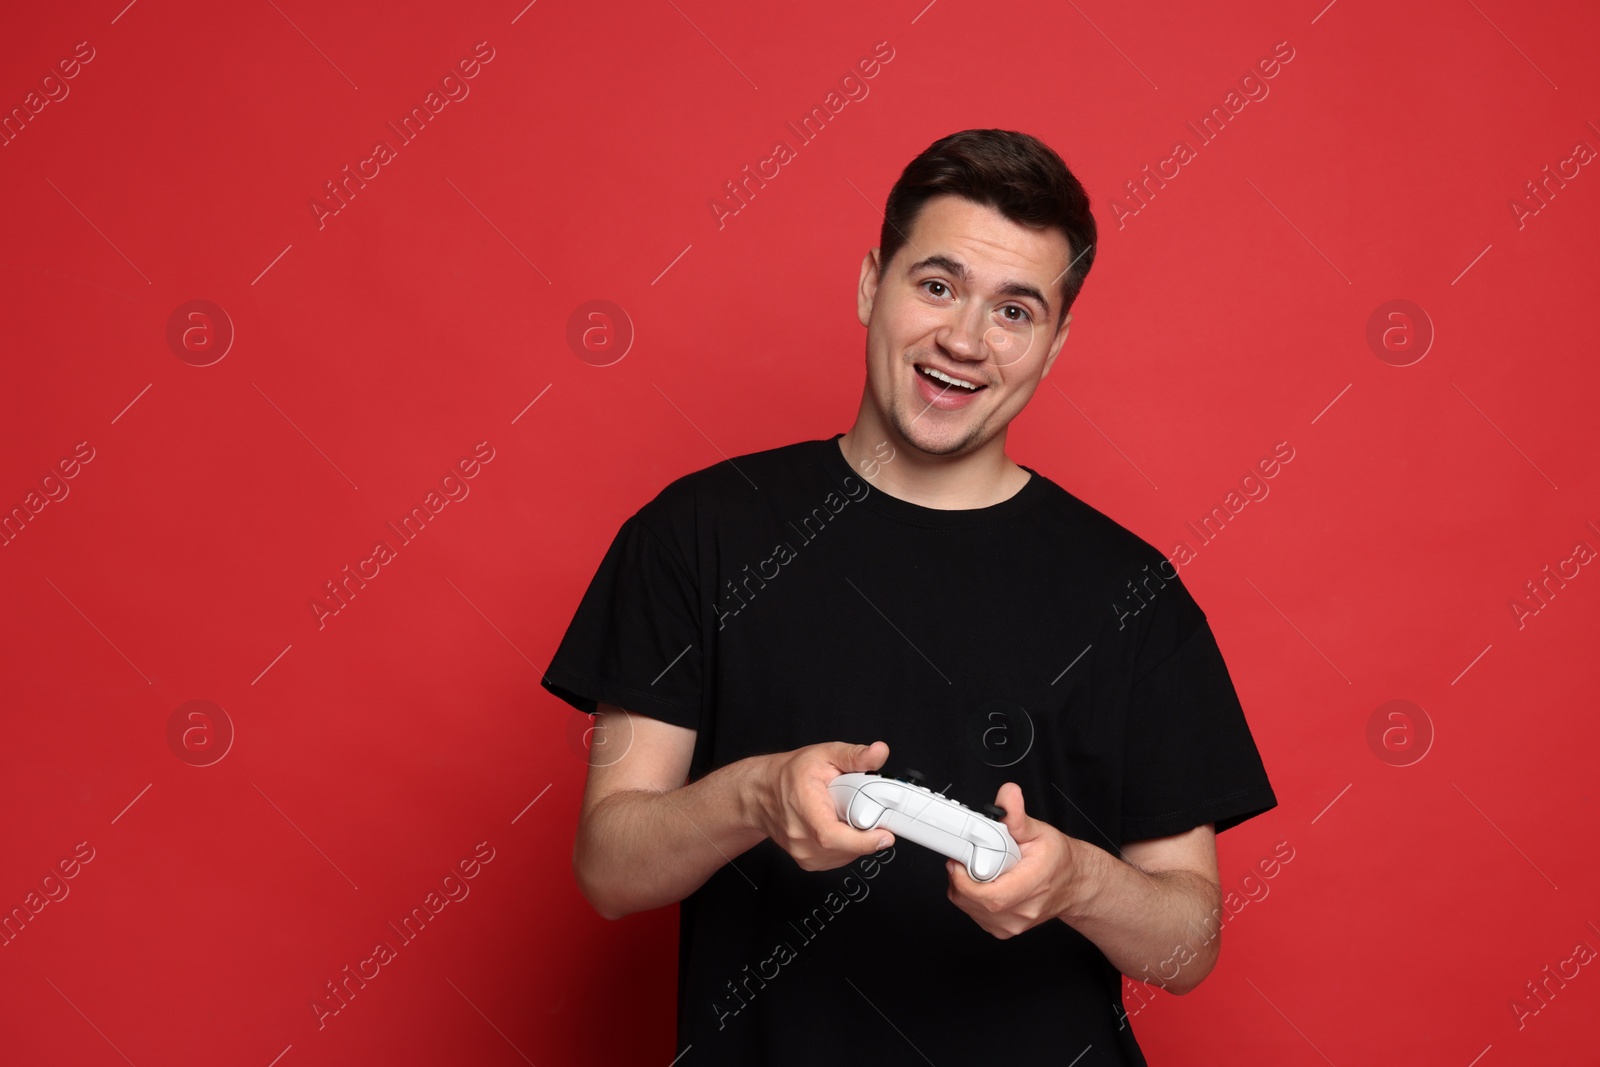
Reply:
x=905, y=588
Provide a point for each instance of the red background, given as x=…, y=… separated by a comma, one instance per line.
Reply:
x=376, y=348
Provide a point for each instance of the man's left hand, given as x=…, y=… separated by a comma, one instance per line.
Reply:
x=1036, y=890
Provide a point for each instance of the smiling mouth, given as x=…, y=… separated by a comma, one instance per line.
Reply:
x=948, y=382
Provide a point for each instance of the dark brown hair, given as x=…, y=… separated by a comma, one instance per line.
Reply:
x=1015, y=173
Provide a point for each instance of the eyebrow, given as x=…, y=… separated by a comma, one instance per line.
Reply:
x=959, y=269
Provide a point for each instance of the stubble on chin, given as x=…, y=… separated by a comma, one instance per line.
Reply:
x=907, y=430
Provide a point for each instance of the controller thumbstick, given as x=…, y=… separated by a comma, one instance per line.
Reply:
x=994, y=811
x=915, y=777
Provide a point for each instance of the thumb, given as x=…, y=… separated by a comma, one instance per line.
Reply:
x=862, y=757
x=1022, y=827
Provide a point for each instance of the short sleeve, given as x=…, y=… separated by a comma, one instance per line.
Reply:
x=1190, y=758
x=634, y=639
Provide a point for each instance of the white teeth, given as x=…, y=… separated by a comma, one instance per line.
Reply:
x=946, y=378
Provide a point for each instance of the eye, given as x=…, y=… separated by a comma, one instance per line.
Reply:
x=1022, y=312
x=935, y=281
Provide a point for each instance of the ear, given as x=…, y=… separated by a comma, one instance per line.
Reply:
x=1055, y=345
x=867, y=291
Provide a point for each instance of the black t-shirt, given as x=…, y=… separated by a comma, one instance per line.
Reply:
x=779, y=600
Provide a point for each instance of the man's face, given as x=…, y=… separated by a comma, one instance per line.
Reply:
x=972, y=296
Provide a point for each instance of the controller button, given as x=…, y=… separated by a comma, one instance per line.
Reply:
x=994, y=811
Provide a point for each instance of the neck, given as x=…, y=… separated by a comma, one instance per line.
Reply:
x=976, y=479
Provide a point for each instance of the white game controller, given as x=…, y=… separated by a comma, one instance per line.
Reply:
x=916, y=813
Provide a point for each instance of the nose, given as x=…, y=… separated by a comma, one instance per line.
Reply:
x=962, y=336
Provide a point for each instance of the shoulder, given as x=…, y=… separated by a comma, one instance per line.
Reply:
x=1103, y=561
x=734, y=477
x=702, y=498
x=1090, y=533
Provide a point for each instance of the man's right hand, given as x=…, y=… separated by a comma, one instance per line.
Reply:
x=792, y=806
x=648, y=837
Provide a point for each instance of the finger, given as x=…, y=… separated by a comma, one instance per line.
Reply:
x=859, y=842
x=848, y=757
x=832, y=831
x=1017, y=821
x=960, y=880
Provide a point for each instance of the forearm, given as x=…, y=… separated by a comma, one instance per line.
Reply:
x=638, y=850
x=1159, y=927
